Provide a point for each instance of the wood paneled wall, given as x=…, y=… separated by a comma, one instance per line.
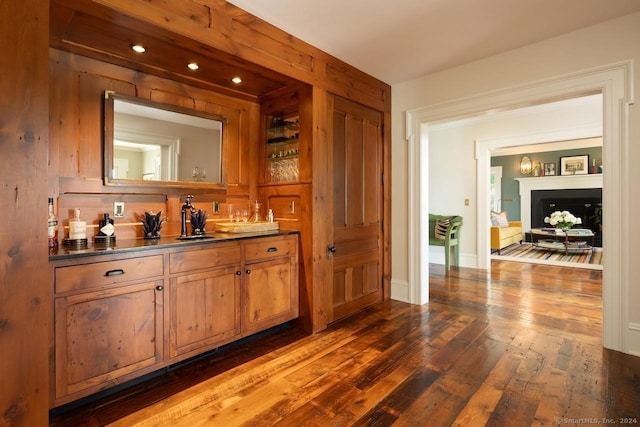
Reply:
x=75, y=151
x=25, y=286
x=228, y=28
x=219, y=25
x=36, y=78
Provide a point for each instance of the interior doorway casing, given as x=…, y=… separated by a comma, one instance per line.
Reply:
x=495, y=188
x=615, y=83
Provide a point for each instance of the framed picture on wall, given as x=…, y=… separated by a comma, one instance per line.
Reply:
x=574, y=165
x=549, y=169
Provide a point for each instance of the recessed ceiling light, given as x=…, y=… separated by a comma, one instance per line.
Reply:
x=236, y=80
x=138, y=48
x=193, y=66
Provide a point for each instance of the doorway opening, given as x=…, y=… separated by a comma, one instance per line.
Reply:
x=614, y=84
x=530, y=198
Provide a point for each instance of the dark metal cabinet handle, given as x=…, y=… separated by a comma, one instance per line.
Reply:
x=248, y=271
x=238, y=273
x=159, y=288
x=118, y=272
x=272, y=249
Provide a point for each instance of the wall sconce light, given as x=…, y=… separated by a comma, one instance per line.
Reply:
x=525, y=165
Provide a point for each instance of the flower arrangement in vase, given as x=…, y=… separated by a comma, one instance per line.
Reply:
x=563, y=220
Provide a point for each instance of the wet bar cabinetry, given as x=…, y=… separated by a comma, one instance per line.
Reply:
x=122, y=315
x=108, y=322
x=204, y=295
x=282, y=149
x=61, y=68
x=286, y=120
x=286, y=177
x=270, y=291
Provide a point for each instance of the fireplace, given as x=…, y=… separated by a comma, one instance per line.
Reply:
x=569, y=200
x=580, y=202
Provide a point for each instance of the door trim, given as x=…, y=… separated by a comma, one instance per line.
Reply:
x=615, y=82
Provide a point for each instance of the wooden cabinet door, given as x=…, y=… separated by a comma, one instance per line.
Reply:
x=105, y=336
x=270, y=293
x=357, y=208
x=204, y=310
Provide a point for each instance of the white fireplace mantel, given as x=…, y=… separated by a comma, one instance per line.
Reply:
x=527, y=185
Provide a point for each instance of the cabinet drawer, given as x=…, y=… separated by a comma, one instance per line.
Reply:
x=260, y=249
x=187, y=261
x=107, y=273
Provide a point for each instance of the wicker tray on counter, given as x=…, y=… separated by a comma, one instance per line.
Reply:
x=246, y=227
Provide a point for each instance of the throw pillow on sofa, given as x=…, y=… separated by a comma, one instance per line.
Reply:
x=494, y=219
x=499, y=219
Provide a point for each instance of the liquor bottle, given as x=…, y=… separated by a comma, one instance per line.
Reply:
x=105, y=226
x=77, y=227
x=52, y=226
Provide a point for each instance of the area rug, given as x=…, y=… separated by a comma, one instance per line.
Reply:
x=526, y=252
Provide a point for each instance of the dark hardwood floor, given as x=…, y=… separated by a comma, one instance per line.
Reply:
x=517, y=346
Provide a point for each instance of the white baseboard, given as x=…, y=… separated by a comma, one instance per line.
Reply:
x=400, y=290
x=633, y=343
x=436, y=256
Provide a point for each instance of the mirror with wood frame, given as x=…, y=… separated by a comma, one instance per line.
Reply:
x=152, y=144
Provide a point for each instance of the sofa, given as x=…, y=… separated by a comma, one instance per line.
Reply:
x=449, y=236
x=503, y=232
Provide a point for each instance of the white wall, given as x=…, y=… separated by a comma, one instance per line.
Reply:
x=606, y=43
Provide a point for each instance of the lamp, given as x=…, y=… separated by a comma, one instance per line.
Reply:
x=525, y=165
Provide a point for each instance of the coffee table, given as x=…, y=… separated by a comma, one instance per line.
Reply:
x=580, y=239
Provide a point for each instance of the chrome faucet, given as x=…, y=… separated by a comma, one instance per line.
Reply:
x=186, y=207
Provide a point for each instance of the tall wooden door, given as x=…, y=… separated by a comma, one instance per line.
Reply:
x=357, y=208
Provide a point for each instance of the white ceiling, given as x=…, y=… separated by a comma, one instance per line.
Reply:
x=398, y=40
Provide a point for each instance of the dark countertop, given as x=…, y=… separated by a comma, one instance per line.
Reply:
x=63, y=252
